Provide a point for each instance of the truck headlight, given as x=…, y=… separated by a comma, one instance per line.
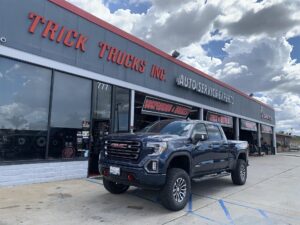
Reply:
x=158, y=147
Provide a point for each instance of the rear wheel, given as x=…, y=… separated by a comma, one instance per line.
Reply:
x=239, y=174
x=114, y=187
x=175, y=194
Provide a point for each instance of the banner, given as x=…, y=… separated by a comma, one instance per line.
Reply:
x=226, y=121
x=155, y=106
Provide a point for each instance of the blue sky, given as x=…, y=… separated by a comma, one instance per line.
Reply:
x=295, y=42
x=138, y=7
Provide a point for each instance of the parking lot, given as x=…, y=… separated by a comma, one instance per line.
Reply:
x=270, y=196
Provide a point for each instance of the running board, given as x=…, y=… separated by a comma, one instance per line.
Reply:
x=211, y=176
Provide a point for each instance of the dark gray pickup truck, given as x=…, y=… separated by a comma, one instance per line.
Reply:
x=167, y=155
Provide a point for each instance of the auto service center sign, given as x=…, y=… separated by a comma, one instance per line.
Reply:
x=204, y=89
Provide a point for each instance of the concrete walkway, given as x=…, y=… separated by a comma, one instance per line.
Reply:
x=270, y=196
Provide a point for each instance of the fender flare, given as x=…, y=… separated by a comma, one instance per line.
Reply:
x=238, y=155
x=176, y=154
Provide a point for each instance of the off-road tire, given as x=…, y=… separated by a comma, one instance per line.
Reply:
x=167, y=195
x=239, y=174
x=114, y=187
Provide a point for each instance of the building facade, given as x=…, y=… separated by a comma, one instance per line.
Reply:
x=68, y=78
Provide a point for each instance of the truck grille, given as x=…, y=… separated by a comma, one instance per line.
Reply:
x=123, y=149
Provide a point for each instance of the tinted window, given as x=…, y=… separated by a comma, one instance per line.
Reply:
x=213, y=132
x=180, y=128
x=24, y=106
x=71, y=106
x=200, y=128
x=71, y=101
x=121, y=109
x=102, y=100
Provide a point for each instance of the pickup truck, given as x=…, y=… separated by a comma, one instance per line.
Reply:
x=167, y=155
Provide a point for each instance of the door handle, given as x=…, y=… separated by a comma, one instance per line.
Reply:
x=214, y=145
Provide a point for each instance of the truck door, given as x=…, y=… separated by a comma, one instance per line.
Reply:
x=219, y=147
x=202, y=152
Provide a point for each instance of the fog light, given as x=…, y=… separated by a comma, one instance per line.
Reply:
x=152, y=166
x=105, y=172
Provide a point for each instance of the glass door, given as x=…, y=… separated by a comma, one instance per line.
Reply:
x=101, y=121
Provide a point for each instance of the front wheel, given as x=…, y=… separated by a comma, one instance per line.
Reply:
x=239, y=174
x=175, y=194
x=113, y=187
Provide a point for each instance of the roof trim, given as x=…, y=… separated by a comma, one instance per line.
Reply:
x=76, y=10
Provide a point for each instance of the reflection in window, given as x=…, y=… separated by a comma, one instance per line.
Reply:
x=71, y=106
x=214, y=133
x=199, y=128
x=24, y=104
x=121, y=109
x=102, y=100
x=71, y=101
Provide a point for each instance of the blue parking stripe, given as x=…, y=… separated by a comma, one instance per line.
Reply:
x=190, y=203
x=222, y=204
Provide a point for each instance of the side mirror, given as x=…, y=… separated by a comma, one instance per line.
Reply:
x=196, y=137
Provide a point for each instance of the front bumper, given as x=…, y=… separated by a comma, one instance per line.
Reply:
x=141, y=177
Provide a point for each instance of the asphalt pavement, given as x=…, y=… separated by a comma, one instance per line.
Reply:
x=270, y=196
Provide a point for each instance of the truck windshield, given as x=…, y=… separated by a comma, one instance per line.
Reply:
x=180, y=128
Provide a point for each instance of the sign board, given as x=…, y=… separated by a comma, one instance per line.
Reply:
x=155, y=106
x=248, y=125
x=204, y=89
x=226, y=121
x=266, y=129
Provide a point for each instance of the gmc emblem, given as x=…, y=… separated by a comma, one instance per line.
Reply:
x=118, y=145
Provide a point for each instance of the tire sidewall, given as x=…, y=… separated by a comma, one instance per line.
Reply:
x=242, y=164
x=167, y=197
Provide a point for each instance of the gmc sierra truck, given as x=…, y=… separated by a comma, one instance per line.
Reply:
x=169, y=154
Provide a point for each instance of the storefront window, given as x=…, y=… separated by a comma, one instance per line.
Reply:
x=71, y=107
x=121, y=109
x=102, y=100
x=24, y=106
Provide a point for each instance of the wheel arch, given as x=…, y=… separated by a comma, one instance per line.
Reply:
x=180, y=160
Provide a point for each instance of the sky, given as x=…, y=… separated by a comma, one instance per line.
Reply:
x=253, y=45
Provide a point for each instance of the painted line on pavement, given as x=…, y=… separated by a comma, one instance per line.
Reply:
x=250, y=207
x=226, y=211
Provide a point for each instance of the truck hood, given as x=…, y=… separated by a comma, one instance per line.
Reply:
x=144, y=137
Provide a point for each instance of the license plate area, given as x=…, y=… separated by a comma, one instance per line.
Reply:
x=113, y=170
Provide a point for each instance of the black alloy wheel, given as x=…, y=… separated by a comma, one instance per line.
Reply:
x=176, y=192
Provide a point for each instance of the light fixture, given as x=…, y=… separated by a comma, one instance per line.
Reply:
x=175, y=54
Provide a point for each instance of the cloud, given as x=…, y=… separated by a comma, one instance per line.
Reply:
x=273, y=20
x=287, y=106
x=122, y=18
x=257, y=65
x=173, y=26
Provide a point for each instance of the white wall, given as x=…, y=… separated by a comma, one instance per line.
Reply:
x=42, y=172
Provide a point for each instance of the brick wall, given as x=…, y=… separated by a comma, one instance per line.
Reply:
x=42, y=172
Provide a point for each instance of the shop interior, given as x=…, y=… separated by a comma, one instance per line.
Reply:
x=144, y=119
